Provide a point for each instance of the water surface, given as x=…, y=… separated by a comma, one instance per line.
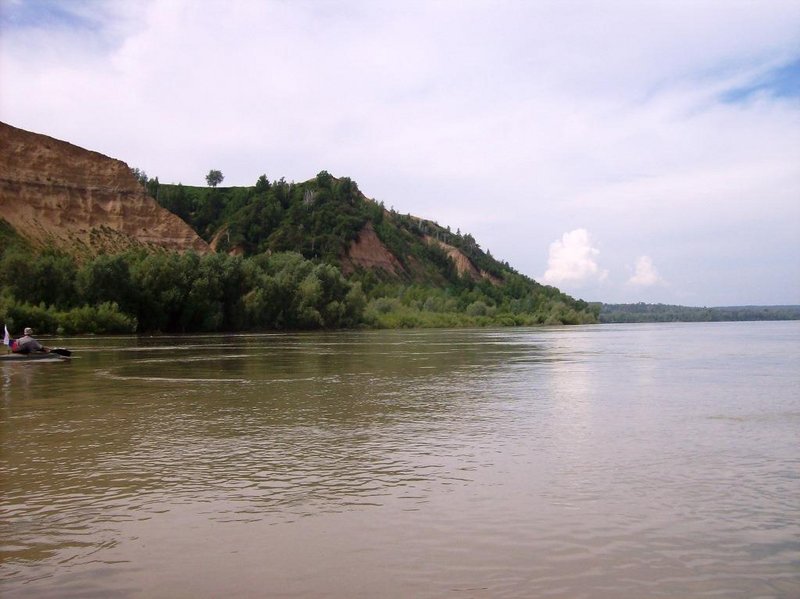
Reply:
x=605, y=461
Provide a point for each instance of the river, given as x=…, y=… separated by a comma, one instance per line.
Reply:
x=654, y=460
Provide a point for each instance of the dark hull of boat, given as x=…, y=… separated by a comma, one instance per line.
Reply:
x=52, y=357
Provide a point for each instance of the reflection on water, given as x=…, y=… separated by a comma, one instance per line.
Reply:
x=607, y=461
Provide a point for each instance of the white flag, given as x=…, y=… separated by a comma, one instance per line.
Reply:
x=7, y=337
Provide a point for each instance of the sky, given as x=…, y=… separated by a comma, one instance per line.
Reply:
x=623, y=151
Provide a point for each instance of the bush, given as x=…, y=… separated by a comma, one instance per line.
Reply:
x=37, y=317
x=105, y=318
x=478, y=308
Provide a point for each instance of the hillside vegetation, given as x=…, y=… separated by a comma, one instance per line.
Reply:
x=421, y=274
x=307, y=255
x=319, y=219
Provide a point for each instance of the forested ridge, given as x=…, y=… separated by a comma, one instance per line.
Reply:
x=318, y=219
x=280, y=262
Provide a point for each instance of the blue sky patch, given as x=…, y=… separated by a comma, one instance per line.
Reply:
x=47, y=14
x=783, y=82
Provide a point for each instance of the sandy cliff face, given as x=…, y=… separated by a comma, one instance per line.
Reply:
x=55, y=193
x=464, y=265
x=367, y=251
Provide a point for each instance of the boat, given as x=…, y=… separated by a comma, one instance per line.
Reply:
x=53, y=356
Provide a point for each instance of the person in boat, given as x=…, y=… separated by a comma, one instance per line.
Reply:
x=27, y=344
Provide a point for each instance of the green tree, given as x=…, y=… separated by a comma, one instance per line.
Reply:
x=108, y=279
x=262, y=185
x=140, y=175
x=176, y=201
x=214, y=178
x=152, y=187
x=54, y=275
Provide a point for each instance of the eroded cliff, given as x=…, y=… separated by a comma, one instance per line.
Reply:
x=464, y=265
x=367, y=251
x=57, y=194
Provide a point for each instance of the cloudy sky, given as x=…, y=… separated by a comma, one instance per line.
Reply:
x=620, y=150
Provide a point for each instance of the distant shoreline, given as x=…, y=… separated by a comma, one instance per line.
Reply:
x=641, y=312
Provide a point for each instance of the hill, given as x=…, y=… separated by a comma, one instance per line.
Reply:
x=87, y=248
x=329, y=219
x=392, y=255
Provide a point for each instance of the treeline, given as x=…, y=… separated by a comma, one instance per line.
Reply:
x=394, y=305
x=641, y=312
x=169, y=292
x=139, y=291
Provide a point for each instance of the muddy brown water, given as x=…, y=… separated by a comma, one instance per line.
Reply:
x=605, y=461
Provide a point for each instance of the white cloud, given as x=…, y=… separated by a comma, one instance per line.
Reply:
x=646, y=274
x=573, y=260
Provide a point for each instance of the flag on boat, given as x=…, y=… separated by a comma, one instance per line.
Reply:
x=6, y=337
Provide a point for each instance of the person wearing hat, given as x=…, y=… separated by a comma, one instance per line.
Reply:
x=27, y=344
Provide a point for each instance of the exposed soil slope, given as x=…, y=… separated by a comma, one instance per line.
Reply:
x=464, y=265
x=367, y=251
x=55, y=193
